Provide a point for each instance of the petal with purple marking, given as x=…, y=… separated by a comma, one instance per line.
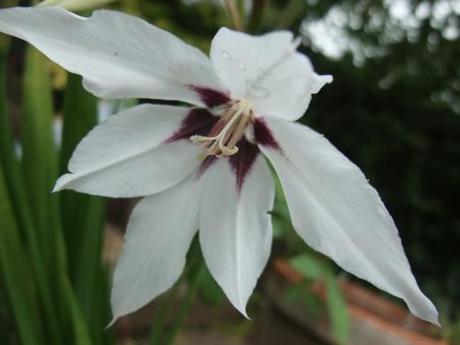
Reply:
x=210, y=97
x=126, y=155
x=243, y=161
x=235, y=227
x=198, y=121
x=118, y=55
x=337, y=212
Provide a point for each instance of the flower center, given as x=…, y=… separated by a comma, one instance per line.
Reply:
x=227, y=132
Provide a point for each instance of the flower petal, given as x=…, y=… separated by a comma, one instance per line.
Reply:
x=337, y=212
x=126, y=156
x=235, y=228
x=266, y=70
x=159, y=234
x=118, y=55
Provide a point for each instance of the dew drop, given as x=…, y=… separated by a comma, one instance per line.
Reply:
x=226, y=55
x=241, y=65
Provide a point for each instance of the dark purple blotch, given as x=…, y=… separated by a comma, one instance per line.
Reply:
x=211, y=97
x=263, y=135
x=207, y=162
x=243, y=161
x=199, y=121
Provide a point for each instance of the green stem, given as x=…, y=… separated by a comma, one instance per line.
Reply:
x=186, y=303
x=234, y=14
x=161, y=314
x=290, y=14
x=258, y=8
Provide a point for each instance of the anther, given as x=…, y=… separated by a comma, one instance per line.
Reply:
x=227, y=132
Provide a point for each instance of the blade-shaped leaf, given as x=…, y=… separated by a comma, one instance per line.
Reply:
x=307, y=265
x=16, y=275
x=39, y=154
x=20, y=206
x=337, y=307
x=82, y=215
x=40, y=172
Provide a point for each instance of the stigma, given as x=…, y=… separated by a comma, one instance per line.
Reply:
x=224, y=136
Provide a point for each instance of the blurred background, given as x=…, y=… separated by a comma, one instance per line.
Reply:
x=393, y=108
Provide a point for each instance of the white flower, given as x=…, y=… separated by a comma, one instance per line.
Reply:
x=203, y=167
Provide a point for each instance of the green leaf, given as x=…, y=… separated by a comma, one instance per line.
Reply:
x=337, y=308
x=196, y=271
x=11, y=167
x=80, y=334
x=302, y=293
x=39, y=164
x=22, y=211
x=40, y=172
x=82, y=215
x=280, y=226
x=309, y=266
x=39, y=153
x=208, y=289
x=102, y=311
x=17, y=276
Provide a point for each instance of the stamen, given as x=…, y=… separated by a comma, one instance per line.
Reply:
x=239, y=130
x=227, y=132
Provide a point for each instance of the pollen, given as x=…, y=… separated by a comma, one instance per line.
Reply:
x=227, y=132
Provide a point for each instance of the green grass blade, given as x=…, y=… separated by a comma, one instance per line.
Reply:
x=82, y=215
x=39, y=154
x=309, y=266
x=17, y=276
x=100, y=335
x=11, y=166
x=337, y=308
x=198, y=272
x=21, y=209
x=39, y=164
x=40, y=172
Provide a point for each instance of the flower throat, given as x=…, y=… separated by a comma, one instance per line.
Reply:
x=227, y=132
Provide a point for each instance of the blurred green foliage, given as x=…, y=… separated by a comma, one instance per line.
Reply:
x=312, y=268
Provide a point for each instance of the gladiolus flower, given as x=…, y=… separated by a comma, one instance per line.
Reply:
x=203, y=166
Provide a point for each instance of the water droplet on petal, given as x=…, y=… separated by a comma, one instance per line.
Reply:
x=241, y=65
x=226, y=55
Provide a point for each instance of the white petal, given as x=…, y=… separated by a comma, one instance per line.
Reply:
x=266, y=70
x=159, y=234
x=126, y=155
x=118, y=55
x=337, y=212
x=235, y=228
